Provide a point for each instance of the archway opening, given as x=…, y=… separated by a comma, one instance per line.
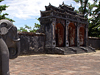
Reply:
x=81, y=35
x=59, y=30
x=71, y=34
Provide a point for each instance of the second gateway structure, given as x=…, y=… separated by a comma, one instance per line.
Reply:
x=66, y=31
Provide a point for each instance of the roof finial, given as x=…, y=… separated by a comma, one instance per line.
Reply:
x=63, y=3
x=49, y=3
x=71, y=5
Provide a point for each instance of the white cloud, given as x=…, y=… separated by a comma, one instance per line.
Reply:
x=24, y=9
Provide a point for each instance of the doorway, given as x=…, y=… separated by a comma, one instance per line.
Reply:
x=59, y=32
x=81, y=36
x=71, y=34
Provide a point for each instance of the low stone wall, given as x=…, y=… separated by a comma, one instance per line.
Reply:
x=94, y=42
x=31, y=43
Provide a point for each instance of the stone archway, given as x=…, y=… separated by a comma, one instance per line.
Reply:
x=59, y=30
x=71, y=34
x=81, y=35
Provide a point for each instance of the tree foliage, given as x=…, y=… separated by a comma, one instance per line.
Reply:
x=3, y=16
x=30, y=29
x=94, y=25
x=82, y=9
x=93, y=11
x=26, y=28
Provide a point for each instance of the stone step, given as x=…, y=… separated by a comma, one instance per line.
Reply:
x=69, y=50
x=93, y=49
x=88, y=49
x=78, y=50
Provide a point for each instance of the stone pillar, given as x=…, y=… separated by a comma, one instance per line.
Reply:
x=4, y=58
x=53, y=32
x=86, y=43
x=67, y=42
x=78, y=41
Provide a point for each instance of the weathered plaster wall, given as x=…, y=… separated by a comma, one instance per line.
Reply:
x=30, y=44
x=94, y=42
x=35, y=43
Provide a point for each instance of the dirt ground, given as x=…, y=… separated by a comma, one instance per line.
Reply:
x=47, y=64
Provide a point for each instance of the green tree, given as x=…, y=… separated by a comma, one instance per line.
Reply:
x=3, y=16
x=30, y=29
x=87, y=9
x=36, y=26
x=26, y=28
x=82, y=9
x=94, y=25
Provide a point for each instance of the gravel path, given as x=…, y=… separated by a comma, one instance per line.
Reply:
x=46, y=64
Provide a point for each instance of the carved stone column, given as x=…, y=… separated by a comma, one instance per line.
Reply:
x=78, y=41
x=86, y=43
x=53, y=32
x=67, y=42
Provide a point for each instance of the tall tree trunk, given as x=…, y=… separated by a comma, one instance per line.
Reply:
x=85, y=4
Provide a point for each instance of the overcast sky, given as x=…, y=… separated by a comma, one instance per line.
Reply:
x=25, y=12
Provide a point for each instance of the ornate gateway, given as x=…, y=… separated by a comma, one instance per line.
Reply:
x=66, y=31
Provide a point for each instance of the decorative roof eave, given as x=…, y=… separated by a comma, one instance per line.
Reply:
x=65, y=13
x=67, y=6
x=58, y=8
x=76, y=16
x=52, y=6
x=74, y=20
x=46, y=11
x=74, y=12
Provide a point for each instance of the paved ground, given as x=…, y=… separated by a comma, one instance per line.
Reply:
x=77, y=64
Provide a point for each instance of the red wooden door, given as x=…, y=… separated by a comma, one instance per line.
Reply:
x=81, y=36
x=59, y=29
x=71, y=34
